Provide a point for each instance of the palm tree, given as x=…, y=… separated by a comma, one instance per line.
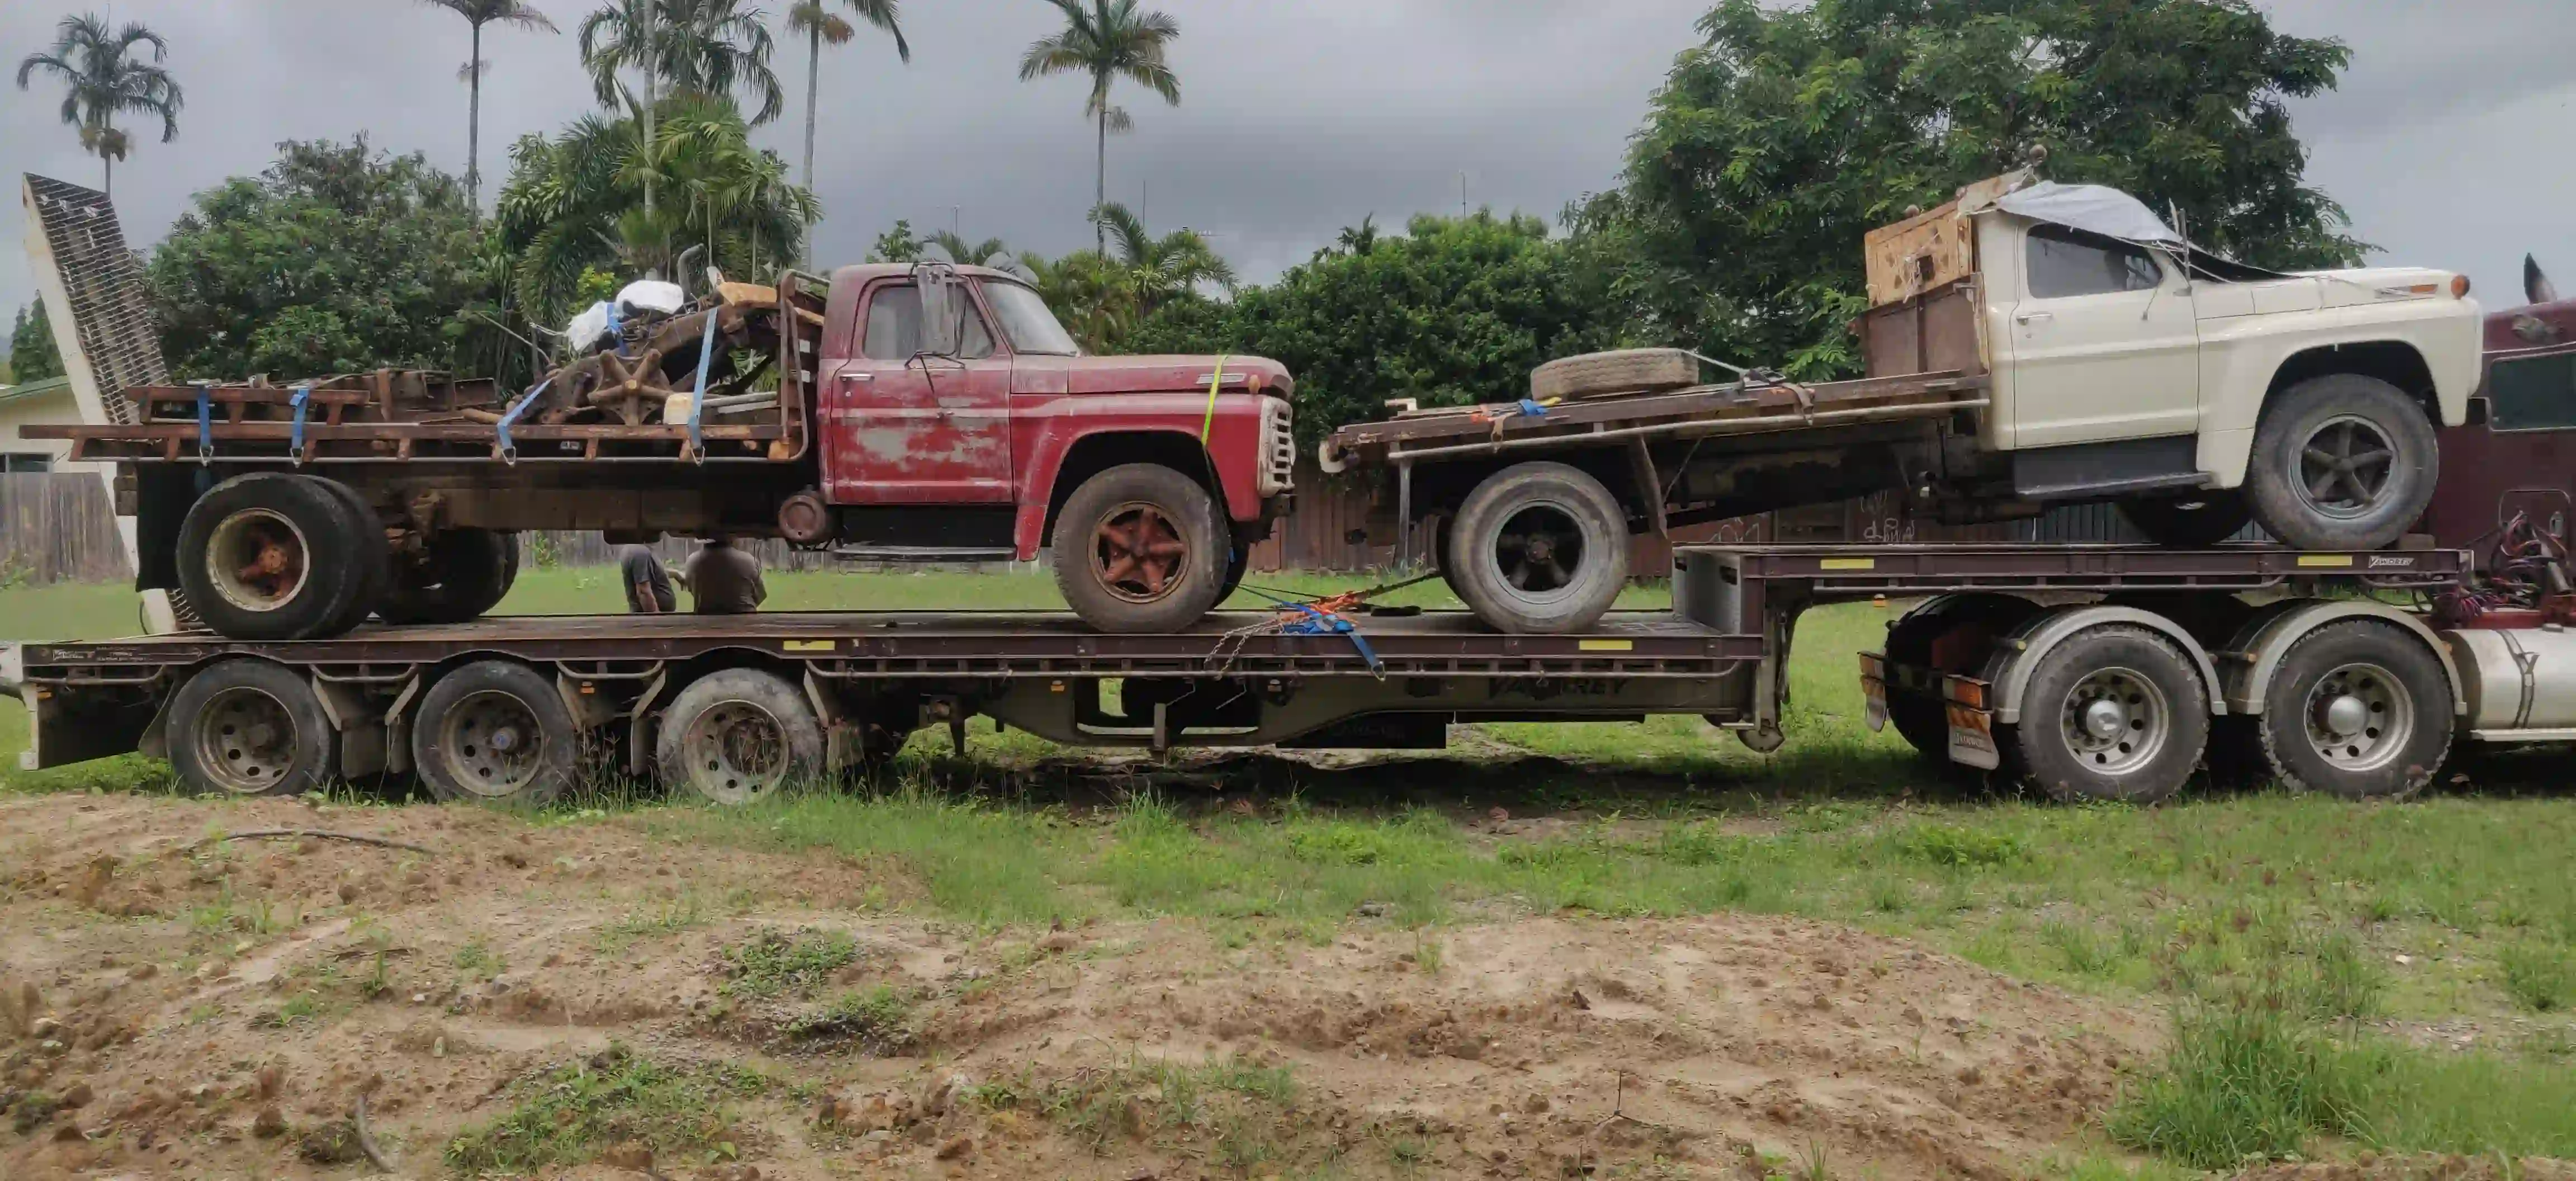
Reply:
x=1159, y=268
x=822, y=26
x=625, y=35
x=1108, y=41
x=101, y=78
x=479, y=13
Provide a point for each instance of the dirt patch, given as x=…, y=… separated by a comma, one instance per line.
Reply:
x=178, y=1012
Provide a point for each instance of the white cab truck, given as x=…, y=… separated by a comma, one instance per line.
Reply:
x=2028, y=344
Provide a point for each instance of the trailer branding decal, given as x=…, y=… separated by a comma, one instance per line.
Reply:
x=2316, y=561
x=2386, y=562
x=813, y=645
x=1848, y=564
x=1606, y=646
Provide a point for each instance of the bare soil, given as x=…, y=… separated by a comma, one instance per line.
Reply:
x=218, y=1011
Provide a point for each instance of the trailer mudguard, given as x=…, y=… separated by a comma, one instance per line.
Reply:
x=2255, y=652
x=2017, y=654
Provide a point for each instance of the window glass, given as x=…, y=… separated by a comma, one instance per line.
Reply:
x=2532, y=394
x=27, y=461
x=2066, y=262
x=894, y=326
x=1029, y=323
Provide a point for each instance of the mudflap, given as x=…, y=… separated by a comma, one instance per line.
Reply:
x=1873, y=690
x=1972, y=723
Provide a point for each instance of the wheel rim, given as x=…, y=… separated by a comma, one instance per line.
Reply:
x=2115, y=721
x=2346, y=467
x=1540, y=551
x=1139, y=552
x=2359, y=718
x=257, y=560
x=736, y=752
x=494, y=744
x=246, y=741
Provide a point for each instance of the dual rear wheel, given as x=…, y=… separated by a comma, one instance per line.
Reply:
x=290, y=556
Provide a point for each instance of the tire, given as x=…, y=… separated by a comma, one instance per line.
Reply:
x=1625, y=371
x=2358, y=709
x=2188, y=522
x=1120, y=580
x=1923, y=722
x=251, y=728
x=496, y=732
x=733, y=737
x=2292, y=482
x=251, y=558
x=460, y=574
x=2142, y=745
x=369, y=550
x=1538, y=549
x=1238, y=565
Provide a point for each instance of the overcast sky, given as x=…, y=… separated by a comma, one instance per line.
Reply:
x=2452, y=140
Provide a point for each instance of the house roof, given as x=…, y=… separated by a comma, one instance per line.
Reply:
x=36, y=389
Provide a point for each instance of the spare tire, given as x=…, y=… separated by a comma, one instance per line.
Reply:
x=267, y=556
x=1624, y=371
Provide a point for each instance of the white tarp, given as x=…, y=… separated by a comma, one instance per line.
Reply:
x=2105, y=211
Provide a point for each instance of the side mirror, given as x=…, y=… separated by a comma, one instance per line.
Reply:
x=942, y=312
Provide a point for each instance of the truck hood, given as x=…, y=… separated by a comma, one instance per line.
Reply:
x=2310, y=291
x=1148, y=375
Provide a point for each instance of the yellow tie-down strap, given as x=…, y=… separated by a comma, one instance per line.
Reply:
x=1216, y=381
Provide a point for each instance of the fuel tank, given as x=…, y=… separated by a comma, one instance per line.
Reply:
x=2518, y=678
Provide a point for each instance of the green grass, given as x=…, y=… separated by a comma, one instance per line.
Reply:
x=877, y=1020
x=569, y=1115
x=774, y=962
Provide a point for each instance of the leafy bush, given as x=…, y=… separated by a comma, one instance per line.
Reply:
x=1961, y=848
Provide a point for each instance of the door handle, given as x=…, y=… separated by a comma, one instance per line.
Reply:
x=2034, y=317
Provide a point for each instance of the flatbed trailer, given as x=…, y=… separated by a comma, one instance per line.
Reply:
x=2090, y=671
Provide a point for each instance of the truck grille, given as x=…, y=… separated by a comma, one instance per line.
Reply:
x=1278, y=448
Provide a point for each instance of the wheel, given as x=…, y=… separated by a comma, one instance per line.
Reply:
x=458, y=575
x=496, y=731
x=1141, y=548
x=2112, y=713
x=251, y=728
x=2342, y=462
x=2196, y=522
x=1624, y=371
x=259, y=558
x=2359, y=710
x=735, y=736
x=1539, y=548
x=1952, y=636
x=369, y=551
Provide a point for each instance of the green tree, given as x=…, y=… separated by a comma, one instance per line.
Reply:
x=338, y=258
x=478, y=13
x=1455, y=312
x=706, y=47
x=575, y=202
x=899, y=244
x=1791, y=131
x=1160, y=269
x=102, y=76
x=1108, y=41
x=32, y=356
x=822, y=26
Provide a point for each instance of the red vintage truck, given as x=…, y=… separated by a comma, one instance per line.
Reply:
x=897, y=411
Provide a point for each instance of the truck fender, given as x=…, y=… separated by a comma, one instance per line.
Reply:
x=2017, y=654
x=2255, y=652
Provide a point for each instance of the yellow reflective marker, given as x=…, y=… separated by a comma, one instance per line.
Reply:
x=1849, y=564
x=813, y=645
x=2316, y=560
x=1607, y=646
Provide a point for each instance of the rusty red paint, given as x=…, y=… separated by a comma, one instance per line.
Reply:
x=2488, y=476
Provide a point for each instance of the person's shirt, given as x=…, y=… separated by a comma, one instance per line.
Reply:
x=648, y=585
x=725, y=581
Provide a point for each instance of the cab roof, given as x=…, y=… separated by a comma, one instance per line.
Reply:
x=867, y=271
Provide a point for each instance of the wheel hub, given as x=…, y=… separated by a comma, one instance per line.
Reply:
x=2115, y=721
x=2105, y=720
x=256, y=559
x=736, y=751
x=1539, y=550
x=2359, y=718
x=2346, y=467
x=1138, y=553
x=486, y=739
x=245, y=741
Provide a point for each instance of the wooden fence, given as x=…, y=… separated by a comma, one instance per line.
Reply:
x=60, y=527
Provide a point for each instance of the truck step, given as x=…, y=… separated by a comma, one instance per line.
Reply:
x=923, y=553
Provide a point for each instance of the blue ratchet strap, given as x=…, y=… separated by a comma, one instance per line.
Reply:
x=698, y=400
x=295, y=436
x=205, y=423
x=1325, y=623
x=509, y=450
x=1530, y=408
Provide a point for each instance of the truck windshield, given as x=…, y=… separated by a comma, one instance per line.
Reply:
x=1026, y=320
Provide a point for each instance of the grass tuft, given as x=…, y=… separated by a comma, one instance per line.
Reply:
x=879, y=1021
x=775, y=962
x=2538, y=976
x=568, y=1115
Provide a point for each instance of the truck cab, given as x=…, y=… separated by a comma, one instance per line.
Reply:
x=956, y=416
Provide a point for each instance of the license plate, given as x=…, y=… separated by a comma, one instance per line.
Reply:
x=1873, y=690
x=1972, y=738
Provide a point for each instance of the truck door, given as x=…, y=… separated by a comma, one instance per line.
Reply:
x=907, y=428
x=2104, y=344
